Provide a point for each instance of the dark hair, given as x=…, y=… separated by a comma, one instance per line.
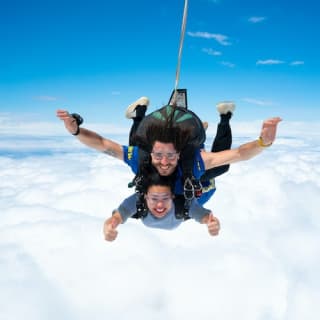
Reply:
x=166, y=130
x=167, y=134
x=153, y=178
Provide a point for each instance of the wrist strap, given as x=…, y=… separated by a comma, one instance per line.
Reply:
x=261, y=144
x=77, y=132
x=79, y=121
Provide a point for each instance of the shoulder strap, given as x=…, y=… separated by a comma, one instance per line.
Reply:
x=141, y=206
x=181, y=211
x=138, y=182
x=143, y=160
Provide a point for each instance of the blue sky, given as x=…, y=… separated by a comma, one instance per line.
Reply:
x=95, y=57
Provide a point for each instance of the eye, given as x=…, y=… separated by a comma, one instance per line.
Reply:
x=157, y=155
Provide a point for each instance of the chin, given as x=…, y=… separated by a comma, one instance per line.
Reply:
x=159, y=216
x=165, y=172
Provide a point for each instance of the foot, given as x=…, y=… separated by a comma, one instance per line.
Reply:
x=225, y=107
x=137, y=107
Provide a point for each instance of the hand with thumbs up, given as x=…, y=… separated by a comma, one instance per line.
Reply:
x=110, y=227
x=213, y=224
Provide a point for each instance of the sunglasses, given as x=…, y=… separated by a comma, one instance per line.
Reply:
x=161, y=155
x=154, y=200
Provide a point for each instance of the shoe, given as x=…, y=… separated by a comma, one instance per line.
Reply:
x=225, y=107
x=131, y=110
x=205, y=125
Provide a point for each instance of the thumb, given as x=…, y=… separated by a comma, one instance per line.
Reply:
x=114, y=223
x=109, y=224
x=211, y=218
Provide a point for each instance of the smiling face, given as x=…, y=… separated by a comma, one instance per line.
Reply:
x=164, y=158
x=159, y=200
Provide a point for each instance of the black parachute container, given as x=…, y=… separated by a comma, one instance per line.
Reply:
x=175, y=115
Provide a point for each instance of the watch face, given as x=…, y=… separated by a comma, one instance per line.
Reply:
x=78, y=118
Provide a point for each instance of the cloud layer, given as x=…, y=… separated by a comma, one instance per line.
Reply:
x=54, y=263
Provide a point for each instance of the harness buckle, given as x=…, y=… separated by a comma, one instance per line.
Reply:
x=188, y=189
x=197, y=188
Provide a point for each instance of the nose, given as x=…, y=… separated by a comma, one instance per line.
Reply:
x=159, y=204
x=164, y=160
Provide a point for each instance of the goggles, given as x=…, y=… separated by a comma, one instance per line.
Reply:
x=161, y=155
x=155, y=199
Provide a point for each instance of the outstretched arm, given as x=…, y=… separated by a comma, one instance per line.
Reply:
x=110, y=227
x=90, y=138
x=245, y=151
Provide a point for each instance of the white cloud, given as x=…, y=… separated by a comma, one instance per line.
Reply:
x=297, y=63
x=220, y=38
x=211, y=52
x=256, y=19
x=228, y=64
x=258, y=102
x=269, y=62
x=54, y=263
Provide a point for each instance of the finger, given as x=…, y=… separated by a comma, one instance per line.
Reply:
x=109, y=238
x=112, y=235
x=107, y=227
x=214, y=225
x=110, y=227
x=276, y=120
x=213, y=219
x=62, y=113
x=114, y=223
x=271, y=123
x=213, y=231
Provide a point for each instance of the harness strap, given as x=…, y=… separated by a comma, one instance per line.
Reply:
x=138, y=183
x=192, y=186
x=181, y=212
x=141, y=206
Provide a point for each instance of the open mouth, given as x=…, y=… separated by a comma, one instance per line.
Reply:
x=165, y=168
x=159, y=212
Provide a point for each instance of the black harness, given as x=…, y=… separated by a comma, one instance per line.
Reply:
x=178, y=112
x=192, y=187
